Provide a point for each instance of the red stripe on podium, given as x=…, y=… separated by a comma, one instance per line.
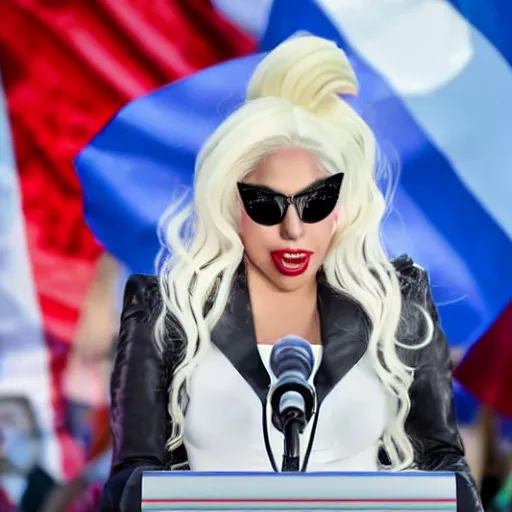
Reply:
x=297, y=500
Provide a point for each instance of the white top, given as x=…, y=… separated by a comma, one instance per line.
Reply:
x=223, y=428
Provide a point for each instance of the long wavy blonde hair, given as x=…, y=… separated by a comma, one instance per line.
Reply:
x=293, y=99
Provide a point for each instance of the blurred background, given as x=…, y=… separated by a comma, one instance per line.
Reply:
x=103, y=105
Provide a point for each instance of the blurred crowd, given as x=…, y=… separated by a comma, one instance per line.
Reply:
x=85, y=416
x=66, y=68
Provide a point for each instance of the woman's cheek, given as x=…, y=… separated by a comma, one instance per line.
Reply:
x=335, y=221
x=244, y=219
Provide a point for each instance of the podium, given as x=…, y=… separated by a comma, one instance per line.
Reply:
x=164, y=491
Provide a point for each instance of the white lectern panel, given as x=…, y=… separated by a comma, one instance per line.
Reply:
x=382, y=491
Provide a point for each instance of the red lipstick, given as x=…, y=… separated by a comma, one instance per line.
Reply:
x=291, y=262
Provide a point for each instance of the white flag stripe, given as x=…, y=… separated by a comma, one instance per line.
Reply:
x=465, y=103
x=24, y=358
x=249, y=15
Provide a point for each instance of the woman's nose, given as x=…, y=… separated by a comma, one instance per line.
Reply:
x=292, y=228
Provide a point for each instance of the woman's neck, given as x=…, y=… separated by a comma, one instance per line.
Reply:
x=260, y=286
x=277, y=313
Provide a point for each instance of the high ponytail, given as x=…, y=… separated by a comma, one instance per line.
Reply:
x=308, y=71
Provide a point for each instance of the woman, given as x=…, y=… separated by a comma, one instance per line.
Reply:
x=286, y=218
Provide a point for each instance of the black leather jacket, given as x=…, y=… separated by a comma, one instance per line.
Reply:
x=141, y=377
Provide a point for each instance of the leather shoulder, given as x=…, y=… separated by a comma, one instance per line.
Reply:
x=142, y=304
x=416, y=291
x=415, y=285
x=414, y=280
x=142, y=297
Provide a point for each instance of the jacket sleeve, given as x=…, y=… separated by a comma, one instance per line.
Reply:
x=139, y=419
x=431, y=423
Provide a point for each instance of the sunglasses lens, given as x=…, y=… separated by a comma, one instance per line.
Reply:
x=318, y=205
x=262, y=208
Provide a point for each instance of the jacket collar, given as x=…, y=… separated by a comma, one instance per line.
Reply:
x=344, y=332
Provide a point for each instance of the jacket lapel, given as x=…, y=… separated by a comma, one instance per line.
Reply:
x=345, y=329
x=234, y=335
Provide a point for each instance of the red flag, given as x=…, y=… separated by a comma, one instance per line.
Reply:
x=67, y=68
x=487, y=368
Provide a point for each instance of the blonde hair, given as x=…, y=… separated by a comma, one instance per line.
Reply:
x=292, y=100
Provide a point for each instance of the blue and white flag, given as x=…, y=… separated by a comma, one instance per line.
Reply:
x=436, y=84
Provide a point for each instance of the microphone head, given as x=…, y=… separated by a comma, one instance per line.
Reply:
x=292, y=353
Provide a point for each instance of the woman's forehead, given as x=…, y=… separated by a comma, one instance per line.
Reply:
x=287, y=170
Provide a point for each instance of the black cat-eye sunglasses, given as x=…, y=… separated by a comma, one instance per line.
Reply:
x=313, y=204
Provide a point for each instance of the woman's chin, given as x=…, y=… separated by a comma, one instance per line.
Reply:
x=291, y=283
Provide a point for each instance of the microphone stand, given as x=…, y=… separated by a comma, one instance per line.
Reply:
x=293, y=425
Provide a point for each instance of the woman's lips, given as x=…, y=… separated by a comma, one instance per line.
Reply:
x=291, y=262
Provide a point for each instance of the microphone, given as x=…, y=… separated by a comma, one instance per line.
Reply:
x=292, y=398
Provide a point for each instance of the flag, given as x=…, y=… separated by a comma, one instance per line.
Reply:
x=435, y=90
x=67, y=68
x=487, y=367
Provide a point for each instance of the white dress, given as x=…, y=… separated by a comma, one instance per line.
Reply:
x=223, y=427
